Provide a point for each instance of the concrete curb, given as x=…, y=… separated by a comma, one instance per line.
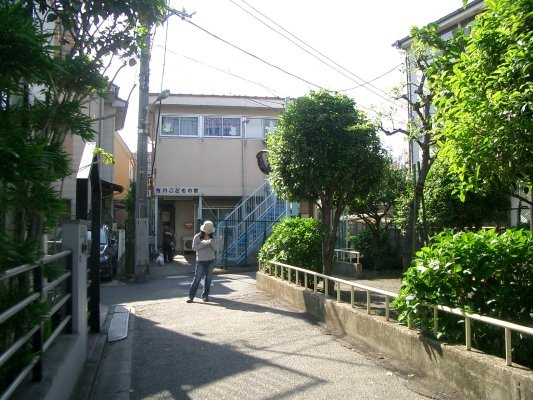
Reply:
x=113, y=377
x=107, y=372
x=95, y=350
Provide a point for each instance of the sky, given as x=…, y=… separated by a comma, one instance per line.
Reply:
x=283, y=48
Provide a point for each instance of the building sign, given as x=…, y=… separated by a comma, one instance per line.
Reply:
x=176, y=191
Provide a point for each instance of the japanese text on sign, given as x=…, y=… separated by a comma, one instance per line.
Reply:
x=176, y=191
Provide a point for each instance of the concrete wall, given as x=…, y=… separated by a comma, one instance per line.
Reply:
x=476, y=375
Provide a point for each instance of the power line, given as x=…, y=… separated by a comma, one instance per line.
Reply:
x=375, y=79
x=269, y=64
x=363, y=82
x=271, y=90
x=254, y=56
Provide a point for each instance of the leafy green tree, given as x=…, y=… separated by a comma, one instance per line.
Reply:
x=29, y=163
x=445, y=210
x=375, y=211
x=43, y=92
x=422, y=61
x=484, y=100
x=325, y=151
x=51, y=65
x=375, y=249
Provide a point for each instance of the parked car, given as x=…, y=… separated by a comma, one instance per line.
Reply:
x=108, y=253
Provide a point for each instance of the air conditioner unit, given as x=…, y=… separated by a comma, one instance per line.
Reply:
x=187, y=243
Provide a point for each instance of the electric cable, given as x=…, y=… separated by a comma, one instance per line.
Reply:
x=364, y=82
x=254, y=56
x=271, y=90
x=374, y=79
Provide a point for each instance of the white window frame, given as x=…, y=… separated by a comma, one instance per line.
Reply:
x=162, y=132
x=263, y=127
x=222, y=135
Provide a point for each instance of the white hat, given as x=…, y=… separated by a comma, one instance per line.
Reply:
x=208, y=227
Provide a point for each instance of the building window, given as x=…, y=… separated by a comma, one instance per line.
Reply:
x=222, y=126
x=179, y=126
x=216, y=214
x=269, y=125
x=257, y=128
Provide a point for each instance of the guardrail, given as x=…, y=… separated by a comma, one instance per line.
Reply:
x=277, y=269
x=347, y=255
x=57, y=296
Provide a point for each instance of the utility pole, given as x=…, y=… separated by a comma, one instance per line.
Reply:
x=141, y=188
x=141, y=218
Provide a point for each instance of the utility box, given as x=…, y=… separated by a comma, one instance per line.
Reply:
x=187, y=244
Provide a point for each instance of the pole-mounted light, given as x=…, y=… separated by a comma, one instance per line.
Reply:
x=161, y=96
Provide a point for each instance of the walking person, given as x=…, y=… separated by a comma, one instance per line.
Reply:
x=204, y=245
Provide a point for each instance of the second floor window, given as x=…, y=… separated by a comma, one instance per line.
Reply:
x=179, y=126
x=258, y=128
x=222, y=126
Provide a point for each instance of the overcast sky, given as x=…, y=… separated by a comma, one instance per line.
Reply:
x=283, y=48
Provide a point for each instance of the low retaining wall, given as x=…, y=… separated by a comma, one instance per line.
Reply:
x=353, y=270
x=476, y=375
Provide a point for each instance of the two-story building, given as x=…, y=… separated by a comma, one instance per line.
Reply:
x=204, y=162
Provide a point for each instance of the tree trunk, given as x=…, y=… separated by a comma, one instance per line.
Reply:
x=328, y=242
x=327, y=251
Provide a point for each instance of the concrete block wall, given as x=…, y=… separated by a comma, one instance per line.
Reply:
x=476, y=375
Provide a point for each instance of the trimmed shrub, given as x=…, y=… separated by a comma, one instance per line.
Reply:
x=295, y=241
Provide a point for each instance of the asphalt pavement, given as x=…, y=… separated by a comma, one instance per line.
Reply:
x=242, y=344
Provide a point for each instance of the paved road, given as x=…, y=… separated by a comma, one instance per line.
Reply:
x=242, y=344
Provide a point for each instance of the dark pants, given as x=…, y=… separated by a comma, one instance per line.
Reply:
x=168, y=252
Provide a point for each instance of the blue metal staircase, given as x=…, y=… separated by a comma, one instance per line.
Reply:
x=246, y=228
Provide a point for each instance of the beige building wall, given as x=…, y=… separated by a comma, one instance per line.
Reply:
x=108, y=115
x=124, y=166
x=217, y=166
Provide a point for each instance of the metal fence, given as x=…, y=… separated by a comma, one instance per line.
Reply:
x=33, y=322
x=312, y=279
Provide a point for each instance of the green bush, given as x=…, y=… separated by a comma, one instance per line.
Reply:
x=482, y=272
x=376, y=254
x=294, y=241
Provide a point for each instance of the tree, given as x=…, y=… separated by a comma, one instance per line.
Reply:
x=484, y=101
x=28, y=164
x=375, y=208
x=426, y=46
x=429, y=55
x=325, y=151
x=43, y=92
x=446, y=211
